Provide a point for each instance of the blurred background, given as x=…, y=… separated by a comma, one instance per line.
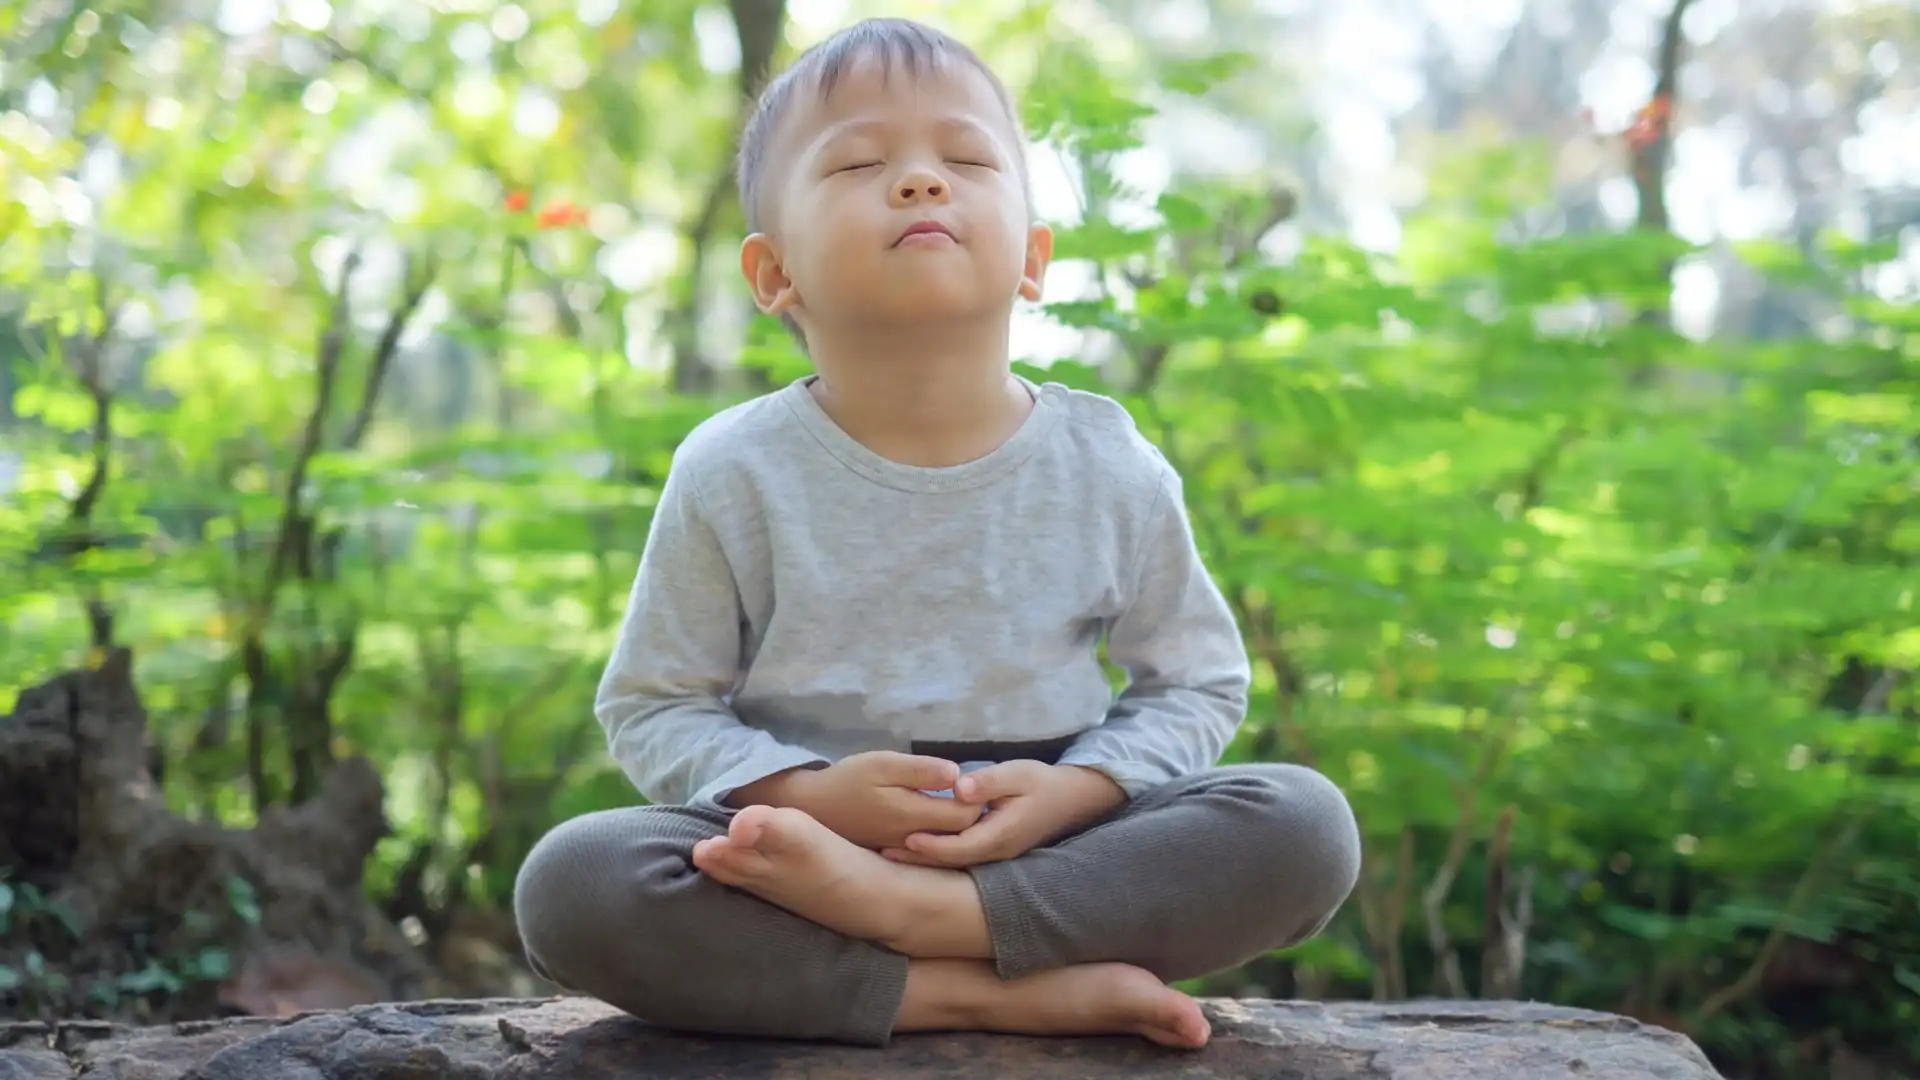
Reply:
x=1543, y=373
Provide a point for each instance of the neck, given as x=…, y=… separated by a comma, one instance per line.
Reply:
x=928, y=396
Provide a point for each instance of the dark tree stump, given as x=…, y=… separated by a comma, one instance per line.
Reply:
x=134, y=884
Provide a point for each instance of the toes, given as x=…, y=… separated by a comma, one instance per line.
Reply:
x=783, y=831
x=709, y=854
x=1163, y=1036
x=1175, y=1019
x=749, y=825
x=1181, y=1036
x=768, y=828
x=1187, y=1024
x=1196, y=1030
x=752, y=828
x=721, y=859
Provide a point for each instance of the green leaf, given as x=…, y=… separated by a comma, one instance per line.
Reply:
x=1902, y=974
x=242, y=898
x=1199, y=75
x=1853, y=255
x=1182, y=214
x=1646, y=925
x=65, y=917
x=211, y=964
x=150, y=979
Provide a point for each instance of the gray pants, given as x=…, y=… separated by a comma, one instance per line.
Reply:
x=1195, y=877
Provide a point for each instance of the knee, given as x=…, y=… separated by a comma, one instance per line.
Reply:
x=577, y=889
x=557, y=890
x=1303, y=836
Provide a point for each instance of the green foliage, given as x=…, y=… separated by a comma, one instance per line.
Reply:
x=1500, y=540
x=39, y=934
x=1497, y=536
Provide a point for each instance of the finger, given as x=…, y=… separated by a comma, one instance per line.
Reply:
x=916, y=771
x=949, y=816
x=921, y=812
x=902, y=855
x=982, y=843
x=994, y=782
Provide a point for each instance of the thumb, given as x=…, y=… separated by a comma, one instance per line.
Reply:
x=916, y=771
x=993, y=782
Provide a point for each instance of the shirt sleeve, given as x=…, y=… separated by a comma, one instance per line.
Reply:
x=676, y=659
x=1186, y=664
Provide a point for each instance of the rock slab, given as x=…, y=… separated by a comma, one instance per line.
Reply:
x=572, y=1038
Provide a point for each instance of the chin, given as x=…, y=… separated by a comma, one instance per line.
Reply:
x=946, y=310
x=906, y=299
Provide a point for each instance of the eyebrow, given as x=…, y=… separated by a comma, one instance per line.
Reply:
x=844, y=128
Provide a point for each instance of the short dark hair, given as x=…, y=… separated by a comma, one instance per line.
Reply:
x=898, y=43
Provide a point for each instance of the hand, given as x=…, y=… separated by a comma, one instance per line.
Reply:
x=876, y=799
x=1032, y=803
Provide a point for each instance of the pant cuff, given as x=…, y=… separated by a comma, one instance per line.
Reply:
x=876, y=1006
x=1017, y=946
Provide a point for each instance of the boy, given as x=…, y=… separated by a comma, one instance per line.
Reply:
x=857, y=677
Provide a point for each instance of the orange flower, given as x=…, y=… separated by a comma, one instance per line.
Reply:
x=561, y=214
x=516, y=201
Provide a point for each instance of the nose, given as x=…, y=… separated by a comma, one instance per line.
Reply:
x=919, y=185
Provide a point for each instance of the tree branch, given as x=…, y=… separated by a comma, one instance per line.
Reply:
x=388, y=345
x=327, y=369
x=1385, y=917
x=89, y=366
x=1237, y=241
x=1504, y=946
x=1810, y=881
x=757, y=25
x=1433, y=900
x=1264, y=644
x=1652, y=143
x=303, y=704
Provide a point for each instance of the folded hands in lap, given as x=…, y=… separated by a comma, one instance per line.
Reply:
x=879, y=800
x=876, y=799
x=1031, y=803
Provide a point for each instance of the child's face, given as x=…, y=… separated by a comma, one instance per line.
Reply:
x=852, y=177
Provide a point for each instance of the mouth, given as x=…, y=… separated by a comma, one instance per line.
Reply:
x=925, y=233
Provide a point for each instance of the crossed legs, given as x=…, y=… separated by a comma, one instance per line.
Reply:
x=766, y=923
x=935, y=919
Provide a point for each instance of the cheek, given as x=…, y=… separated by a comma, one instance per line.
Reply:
x=1011, y=238
x=844, y=216
x=826, y=233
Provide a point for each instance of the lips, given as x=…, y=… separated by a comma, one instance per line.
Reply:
x=930, y=229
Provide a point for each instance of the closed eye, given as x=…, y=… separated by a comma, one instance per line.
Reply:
x=973, y=164
x=857, y=167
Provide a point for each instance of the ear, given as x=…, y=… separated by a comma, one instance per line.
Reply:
x=1039, y=254
x=772, y=289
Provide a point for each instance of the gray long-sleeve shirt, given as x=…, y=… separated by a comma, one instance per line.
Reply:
x=801, y=599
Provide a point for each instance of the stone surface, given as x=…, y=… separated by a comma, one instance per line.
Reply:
x=578, y=1039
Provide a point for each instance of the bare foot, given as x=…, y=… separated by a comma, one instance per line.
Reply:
x=786, y=857
x=1086, y=999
